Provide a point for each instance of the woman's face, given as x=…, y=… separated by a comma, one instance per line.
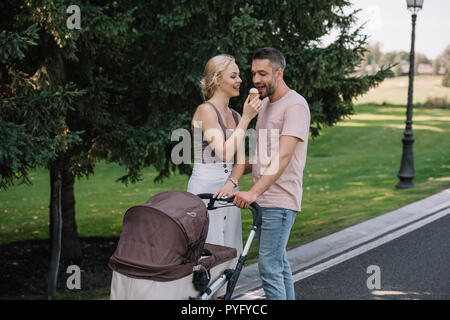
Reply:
x=230, y=82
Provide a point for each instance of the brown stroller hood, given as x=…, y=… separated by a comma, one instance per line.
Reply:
x=162, y=239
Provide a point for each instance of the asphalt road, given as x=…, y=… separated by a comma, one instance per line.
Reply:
x=413, y=266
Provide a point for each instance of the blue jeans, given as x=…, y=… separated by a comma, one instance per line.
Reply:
x=274, y=269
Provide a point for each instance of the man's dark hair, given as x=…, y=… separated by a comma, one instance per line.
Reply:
x=275, y=57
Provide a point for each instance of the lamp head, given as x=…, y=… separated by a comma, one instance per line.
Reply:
x=414, y=5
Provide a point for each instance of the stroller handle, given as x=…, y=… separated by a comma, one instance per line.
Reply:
x=209, y=196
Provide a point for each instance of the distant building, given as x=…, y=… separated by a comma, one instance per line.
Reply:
x=424, y=68
x=405, y=67
x=372, y=68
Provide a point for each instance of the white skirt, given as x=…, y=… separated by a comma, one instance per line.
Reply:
x=225, y=227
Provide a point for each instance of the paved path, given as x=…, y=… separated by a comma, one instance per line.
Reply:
x=413, y=266
x=322, y=259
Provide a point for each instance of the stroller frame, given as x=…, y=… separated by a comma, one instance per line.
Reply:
x=229, y=275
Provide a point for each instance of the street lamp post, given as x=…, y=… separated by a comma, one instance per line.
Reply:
x=406, y=173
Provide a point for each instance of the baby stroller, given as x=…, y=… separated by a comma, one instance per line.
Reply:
x=162, y=252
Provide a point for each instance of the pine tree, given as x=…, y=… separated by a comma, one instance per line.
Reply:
x=117, y=87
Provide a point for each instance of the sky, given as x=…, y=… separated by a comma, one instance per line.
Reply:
x=389, y=23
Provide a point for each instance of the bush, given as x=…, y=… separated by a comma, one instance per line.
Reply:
x=446, y=80
x=436, y=102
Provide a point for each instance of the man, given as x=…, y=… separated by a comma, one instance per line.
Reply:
x=277, y=184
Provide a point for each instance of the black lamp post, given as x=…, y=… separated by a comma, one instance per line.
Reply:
x=406, y=173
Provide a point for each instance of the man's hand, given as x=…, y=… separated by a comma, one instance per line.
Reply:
x=243, y=199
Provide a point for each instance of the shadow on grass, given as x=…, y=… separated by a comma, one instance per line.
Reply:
x=422, y=106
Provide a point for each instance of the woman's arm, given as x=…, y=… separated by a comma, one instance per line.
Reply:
x=241, y=163
x=208, y=122
x=228, y=188
x=238, y=170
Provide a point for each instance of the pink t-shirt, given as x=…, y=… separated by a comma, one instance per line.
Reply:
x=288, y=116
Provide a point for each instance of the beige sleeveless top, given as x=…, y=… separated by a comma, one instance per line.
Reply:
x=197, y=132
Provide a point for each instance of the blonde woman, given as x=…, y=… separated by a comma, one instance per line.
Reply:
x=217, y=163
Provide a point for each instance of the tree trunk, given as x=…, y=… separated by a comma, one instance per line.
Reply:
x=55, y=224
x=71, y=247
x=70, y=243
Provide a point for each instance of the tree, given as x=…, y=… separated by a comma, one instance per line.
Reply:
x=33, y=130
x=441, y=60
x=420, y=58
x=446, y=79
x=436, y=66
x=445, y=57
x=133, y=70
x=372, y=57
x=55, y=65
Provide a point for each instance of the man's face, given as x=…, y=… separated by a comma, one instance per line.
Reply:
x=263, y=77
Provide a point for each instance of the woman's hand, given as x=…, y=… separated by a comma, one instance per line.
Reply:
x=251, y=108
x=225, y=191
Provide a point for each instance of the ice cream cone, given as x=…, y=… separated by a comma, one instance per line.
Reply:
x=253, y=93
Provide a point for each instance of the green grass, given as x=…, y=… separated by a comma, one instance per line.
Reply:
x=100, y=202
x=395, y=91
x=350, y=177
x=351, y=169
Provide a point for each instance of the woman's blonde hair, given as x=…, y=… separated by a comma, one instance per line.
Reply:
x=213, y=72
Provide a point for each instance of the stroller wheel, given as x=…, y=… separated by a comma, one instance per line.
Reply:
x=201, y=280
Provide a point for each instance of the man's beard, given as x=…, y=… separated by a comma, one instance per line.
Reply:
x=270, y=88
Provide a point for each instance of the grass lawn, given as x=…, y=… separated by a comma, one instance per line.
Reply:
x=350, y=177
x=395, y=90
x=351, y=169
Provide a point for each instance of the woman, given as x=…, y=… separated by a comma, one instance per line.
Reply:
x=221, y=130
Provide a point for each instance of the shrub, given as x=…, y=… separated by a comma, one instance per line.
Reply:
x=446, y=80
x=436, y=102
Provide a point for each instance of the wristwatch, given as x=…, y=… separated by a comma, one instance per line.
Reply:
x=234, y=182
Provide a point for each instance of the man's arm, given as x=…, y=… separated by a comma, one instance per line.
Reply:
x=276, y=167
